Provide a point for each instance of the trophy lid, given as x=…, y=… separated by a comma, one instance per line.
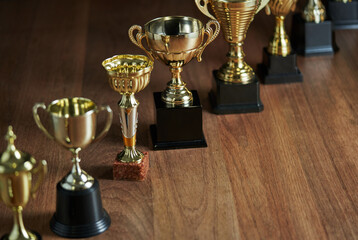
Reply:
x=13, y=160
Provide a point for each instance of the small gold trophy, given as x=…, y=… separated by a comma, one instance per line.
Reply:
x=237, y=88
x=175, y=41
x=79, y=211
x=129, y=74
x=16, y=171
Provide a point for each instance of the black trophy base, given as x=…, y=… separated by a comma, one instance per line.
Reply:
x=38, y=236
x=279, y=69
x=230, y=98
x=79, y=214
x=343, y=15
x=178, y=126
x=310, y=38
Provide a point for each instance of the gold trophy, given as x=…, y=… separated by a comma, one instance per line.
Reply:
x=279, y=64
x=314, y=11
x=175, y=41
x=79, y=211
x=16, y=171
x=231, y=95
x=129, y=74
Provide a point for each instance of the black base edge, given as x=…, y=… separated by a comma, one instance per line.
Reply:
x=199, y=143
x=338, y=25
x=319, y=51
x=234, y=108
x=278, y=78
x=81, y=231
x=5, y=237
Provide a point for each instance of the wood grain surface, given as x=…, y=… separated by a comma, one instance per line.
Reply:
x=289, y=172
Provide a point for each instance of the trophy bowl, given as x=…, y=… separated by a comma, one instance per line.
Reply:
x=175, y=41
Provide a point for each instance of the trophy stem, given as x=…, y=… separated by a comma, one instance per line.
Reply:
x=236, y=70
x=128, y=114
x=314, y=11
x=18, y=230
x=280, y=43
x=76, y=169
x=176, y=93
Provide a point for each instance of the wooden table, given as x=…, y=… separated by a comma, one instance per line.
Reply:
x=289, y=172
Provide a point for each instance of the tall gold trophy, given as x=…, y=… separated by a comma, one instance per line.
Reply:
x=127, y=75
x=175, y=41
x=79, y=211
x=16, y=172
x=279, y=61
x=237, y=88
x=311, y=33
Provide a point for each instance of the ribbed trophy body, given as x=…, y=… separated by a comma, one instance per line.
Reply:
x=314, y=11
x=280, y=43
x=234, y=17
x=175, y=41
x=128, y=74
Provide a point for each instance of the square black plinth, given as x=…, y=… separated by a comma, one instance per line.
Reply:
x=343, y=15
x=178, y=126
x=310, y=38
x=278, y=69
x=228, y=98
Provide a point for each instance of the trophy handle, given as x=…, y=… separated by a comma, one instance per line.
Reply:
x=204, y=8
x=263, y=3
x=108, y=122
x=138, y=40
x=211, y=36
x=42, y=168
x=37, y=119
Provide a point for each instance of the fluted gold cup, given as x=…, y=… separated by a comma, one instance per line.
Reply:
x=74, y=123
x=127, y=75
x=314, y=11
x=16, y=172
x=175, y=41
x=234, y=17
x=280, y=43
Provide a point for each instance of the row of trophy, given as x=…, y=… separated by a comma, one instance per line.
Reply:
x=174, y=41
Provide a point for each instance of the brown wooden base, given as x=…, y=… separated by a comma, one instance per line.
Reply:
x=131, y=171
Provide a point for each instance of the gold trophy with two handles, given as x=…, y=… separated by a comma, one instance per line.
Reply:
x=16, y=172
x=237, y=88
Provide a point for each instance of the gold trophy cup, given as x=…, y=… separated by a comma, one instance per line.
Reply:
x=175, y=41
x=16, y=171
x=74, y=122
x=314, y=11
x=129, y=74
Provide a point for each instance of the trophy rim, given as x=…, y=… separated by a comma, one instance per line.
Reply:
x=200, y=29
x=141, y=72
x=56, y=114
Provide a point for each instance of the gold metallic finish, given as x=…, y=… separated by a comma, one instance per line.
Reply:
x=126, y=81
x=280, y=43
x=314, y=11
x=16, y=172
x=234, y=17
x=74, y=122
x=175, y=41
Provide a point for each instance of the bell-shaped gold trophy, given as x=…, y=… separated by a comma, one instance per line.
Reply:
x=79, y=211
x=16, y=172
x=279, y=61
x=175, y=41
x=127, y=75
x=311, y=33
x=237, y=88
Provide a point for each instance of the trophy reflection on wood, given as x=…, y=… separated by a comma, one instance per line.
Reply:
x=16, y=172
x=175, y=41
x=129, y=74
x=236, y=86
x=311, y=32
x=79, y=211
x=279, y=61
